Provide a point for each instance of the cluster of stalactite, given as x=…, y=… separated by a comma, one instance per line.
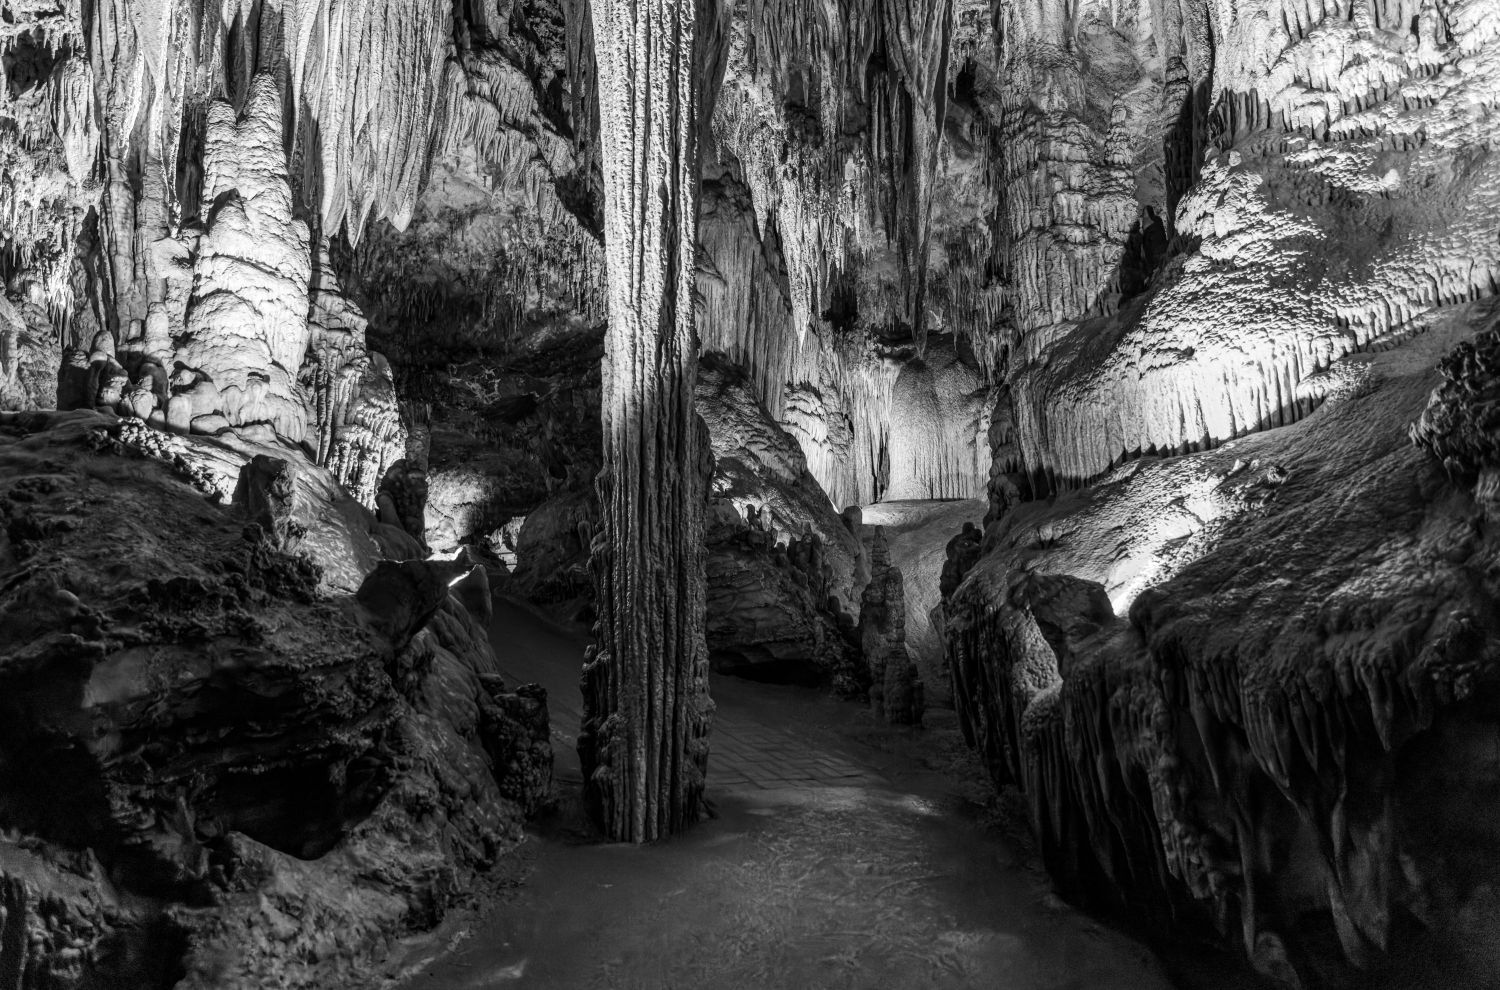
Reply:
x=842, y=228
x=482, y=273
x=180, y=169
x=341, y=77
x=1271, y=289
x=834, y=118
x=533, y=272
x=869, y=424
x=1082, y=202
x=357, y=427
x=47, y=151
x=1012, y=177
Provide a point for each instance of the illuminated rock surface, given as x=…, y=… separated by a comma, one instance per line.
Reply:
x=1192, y=726
x=1185, y=307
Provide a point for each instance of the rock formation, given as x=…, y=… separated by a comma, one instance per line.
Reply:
x=1165, y=285
x=771, y=611
x=29, y=358
x=1192, y=726
x=214, y=774
x=644, y=742
x=895, y=689
x=246, y=330
x=761, y=470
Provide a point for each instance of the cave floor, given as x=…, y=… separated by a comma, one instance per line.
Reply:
x=840, y=853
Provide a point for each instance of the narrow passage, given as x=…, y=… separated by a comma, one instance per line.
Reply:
x=836, y=859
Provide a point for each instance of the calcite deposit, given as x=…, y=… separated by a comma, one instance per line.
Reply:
x=1123, y=374
x=895, y=690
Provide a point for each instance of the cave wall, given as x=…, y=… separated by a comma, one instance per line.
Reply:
x=1241, y=240
x=1096, y=254
x=1214, y=677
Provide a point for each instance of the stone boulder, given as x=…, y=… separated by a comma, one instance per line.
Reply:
x=212, y=770
x=770, y=613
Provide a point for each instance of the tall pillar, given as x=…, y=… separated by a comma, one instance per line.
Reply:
x=644, y=745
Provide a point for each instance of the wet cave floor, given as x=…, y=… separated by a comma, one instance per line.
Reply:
x=840, y=854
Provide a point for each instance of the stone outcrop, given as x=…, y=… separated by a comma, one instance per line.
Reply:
x=1230, y=683
x=771, y=612
x=215, y=773
x=760, y=469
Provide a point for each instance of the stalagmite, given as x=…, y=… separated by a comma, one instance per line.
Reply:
x=895, y=690
x=354, y=418
x=247, y=328
x=644, y=743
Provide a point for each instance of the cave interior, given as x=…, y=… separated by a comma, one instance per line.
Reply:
x=749, y=493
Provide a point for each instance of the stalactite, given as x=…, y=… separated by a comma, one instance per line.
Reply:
x=644, y=743
x=48, y=132
x=354, y=418
x=1265, y=161
x=918, y=36
x=1170, y=384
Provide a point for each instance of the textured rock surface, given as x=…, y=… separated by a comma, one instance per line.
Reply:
x=1232, y=679
x=213, y=772
x=644, y=742
x=895, y=687
x=759, y=469
x=30, y=358
x=771, y=613
x=1316, y=185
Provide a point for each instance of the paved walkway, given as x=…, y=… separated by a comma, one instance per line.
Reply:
x=839, y=855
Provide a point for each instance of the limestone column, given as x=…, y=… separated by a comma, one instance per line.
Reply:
x=644, y=744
